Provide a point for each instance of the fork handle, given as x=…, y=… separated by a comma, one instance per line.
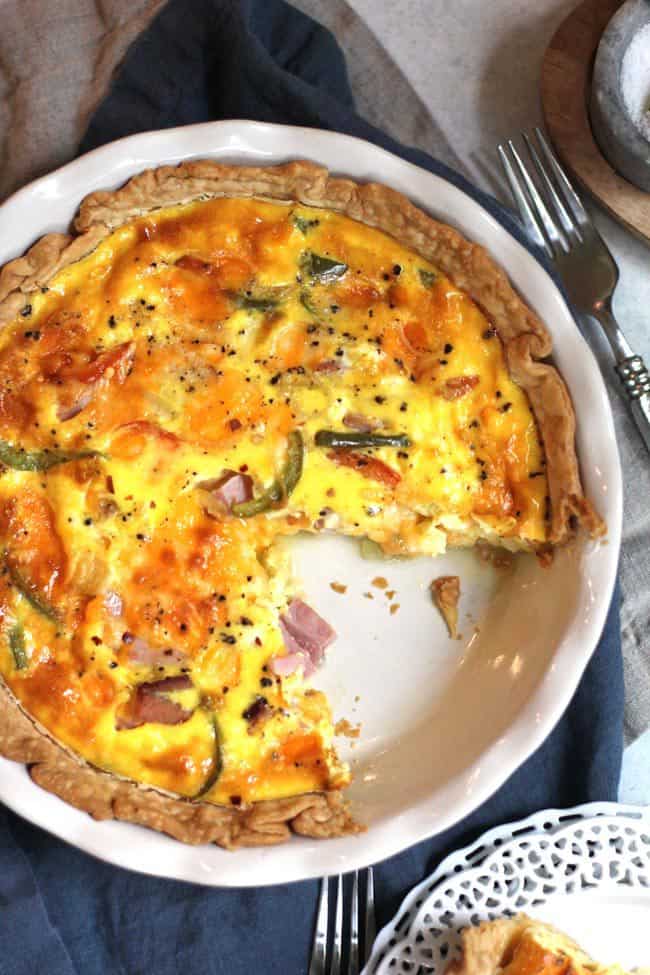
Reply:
x=632, y=372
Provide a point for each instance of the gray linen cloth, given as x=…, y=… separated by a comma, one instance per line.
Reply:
x=56, y=61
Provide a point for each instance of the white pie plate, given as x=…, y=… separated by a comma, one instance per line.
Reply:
x=443, y=723
x=585, y=870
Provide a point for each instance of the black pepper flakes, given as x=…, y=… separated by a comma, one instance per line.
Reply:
x=258, y=709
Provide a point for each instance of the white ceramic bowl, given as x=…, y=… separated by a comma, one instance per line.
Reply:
x=444, y=723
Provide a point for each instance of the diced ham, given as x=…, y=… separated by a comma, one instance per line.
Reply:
x=311, y=631
x=364, y=424
x=142, y=654
x=289, y=664
x=306, y=636
x=149, y=705
x=229, y=489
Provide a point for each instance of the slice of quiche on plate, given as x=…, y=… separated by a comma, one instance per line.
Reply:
x=522, y=946
x=218, y=359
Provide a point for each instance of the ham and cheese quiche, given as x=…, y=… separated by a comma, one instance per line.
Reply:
x=219, y=358
x=521, y=946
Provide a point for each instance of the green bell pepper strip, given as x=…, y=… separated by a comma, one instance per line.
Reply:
x=428, y=278
x=17, y=646
x=308, y=304
x=282, y=487
x=217, y=769
x=303, y=224
x=39, y=460
x=292, y=471
x=264, y=299
x=323, y=269
x=35, y=600
x=256, y=506
x=331, y=438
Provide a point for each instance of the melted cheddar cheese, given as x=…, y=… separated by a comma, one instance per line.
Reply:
x=198, y=340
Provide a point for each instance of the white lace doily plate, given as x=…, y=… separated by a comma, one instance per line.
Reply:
x=586, y=870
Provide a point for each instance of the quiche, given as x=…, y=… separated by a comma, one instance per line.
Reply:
x=216, y=359
x=521, y=946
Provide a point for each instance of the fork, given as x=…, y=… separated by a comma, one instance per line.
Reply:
x=327, y=946
x=555, y=218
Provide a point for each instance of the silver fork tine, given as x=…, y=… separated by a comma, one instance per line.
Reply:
x=370, y=929
x=568, y=224
x=319, y=946
x=354, y=926
x=572, y=198
x=528, y=218
x=335, y=964
x=586, y=265
x=551, y=232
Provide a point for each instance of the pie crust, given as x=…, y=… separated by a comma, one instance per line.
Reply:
x=526, y=342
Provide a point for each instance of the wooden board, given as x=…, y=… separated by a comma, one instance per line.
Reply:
x=566, y=79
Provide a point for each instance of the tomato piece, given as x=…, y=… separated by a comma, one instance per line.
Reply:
x=370, y=467
x=33, y=544
x=131, y=438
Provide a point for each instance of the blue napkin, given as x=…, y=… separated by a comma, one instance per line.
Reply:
x=64, y=913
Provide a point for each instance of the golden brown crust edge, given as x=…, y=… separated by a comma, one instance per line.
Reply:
x=469, y=266
x=107, y=796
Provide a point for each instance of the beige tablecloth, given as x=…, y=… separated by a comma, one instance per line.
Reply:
x=451, y=78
